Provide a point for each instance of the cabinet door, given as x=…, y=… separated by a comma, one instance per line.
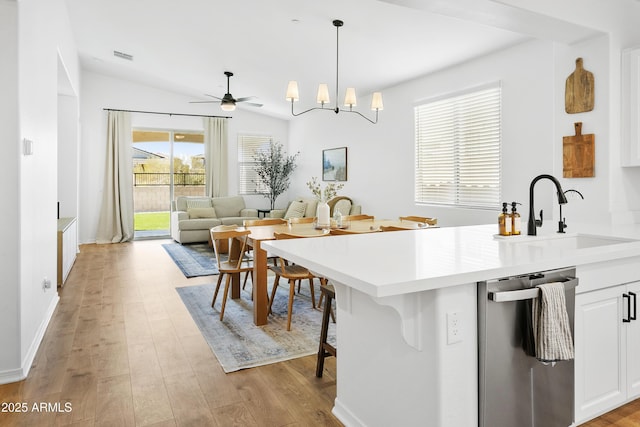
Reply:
x=631, y=108
x=599, y=360
x=633, y=343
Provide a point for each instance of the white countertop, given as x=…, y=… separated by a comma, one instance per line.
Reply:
x=395, y=263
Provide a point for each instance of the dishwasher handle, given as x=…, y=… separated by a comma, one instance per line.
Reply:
x=527, y=293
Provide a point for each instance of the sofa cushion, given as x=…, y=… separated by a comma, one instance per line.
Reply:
x=198, y=203
x=228, y=206
x=199, y=224
x=296, y=210
x=312, y=205
x=202, y=213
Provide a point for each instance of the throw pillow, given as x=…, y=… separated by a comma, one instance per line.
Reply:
x=201, y=213
x=312, y=204
x=296, y=210
x=198, y=203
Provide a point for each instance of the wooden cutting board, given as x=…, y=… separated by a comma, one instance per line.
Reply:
x=578, y=91
x=578, y=154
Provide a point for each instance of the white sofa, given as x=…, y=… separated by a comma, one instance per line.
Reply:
x=193, y=217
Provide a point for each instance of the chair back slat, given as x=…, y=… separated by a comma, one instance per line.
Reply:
x=237, y=244
x=264, y=221
x=303, y=220
x=362, y=217
x=421, y=219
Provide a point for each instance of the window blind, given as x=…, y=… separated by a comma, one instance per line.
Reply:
x=458, y=145
x=248, y=146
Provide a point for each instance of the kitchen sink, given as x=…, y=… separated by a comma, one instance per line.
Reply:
x=571, y=241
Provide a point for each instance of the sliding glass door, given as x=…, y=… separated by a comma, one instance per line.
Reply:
x=166, y=164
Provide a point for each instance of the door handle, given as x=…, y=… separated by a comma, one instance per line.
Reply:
x=633, y=294
x=628, y=297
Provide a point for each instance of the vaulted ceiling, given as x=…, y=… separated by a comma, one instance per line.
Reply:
x=185, y=46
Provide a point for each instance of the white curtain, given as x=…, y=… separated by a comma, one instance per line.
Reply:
x=215, y=155
x=116, y=215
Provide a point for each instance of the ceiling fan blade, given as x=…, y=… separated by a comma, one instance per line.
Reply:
x=253, y=104
x=202, y=102
x=246, y=98
x=219, y=99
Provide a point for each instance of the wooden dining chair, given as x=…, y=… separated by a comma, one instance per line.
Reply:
x=361, y=217
x=236, y=262
x=345, y=232
x=325, y=349
x=260, y=222
x=263, y=221
x=392, y=228
x=303, y=220
x=421, y=219
x=293, y=273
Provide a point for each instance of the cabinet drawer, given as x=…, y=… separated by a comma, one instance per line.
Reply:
x=606, y=274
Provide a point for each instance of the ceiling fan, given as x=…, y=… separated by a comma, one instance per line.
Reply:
x=228, y=102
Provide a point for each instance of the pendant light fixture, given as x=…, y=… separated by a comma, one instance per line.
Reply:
x=323, y=92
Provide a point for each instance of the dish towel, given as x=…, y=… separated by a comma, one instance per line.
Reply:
x=551, y=329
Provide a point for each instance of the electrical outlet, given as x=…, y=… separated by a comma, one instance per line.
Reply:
x=46, y=284
x=454, y=327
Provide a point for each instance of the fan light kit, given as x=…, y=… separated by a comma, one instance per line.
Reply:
x=228, y=102
x=323, y=92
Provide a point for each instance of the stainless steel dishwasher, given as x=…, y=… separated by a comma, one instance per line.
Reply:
x=516, y=389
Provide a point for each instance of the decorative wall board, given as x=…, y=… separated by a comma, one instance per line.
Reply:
x=578, y=91
x=578, y=154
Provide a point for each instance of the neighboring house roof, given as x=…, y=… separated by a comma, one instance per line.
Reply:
x=142, y=154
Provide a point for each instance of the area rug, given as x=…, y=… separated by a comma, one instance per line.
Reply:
x=238, y=343
x=194, y=259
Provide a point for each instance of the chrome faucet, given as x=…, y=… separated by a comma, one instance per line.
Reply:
x=533, y=222
x=562, y=223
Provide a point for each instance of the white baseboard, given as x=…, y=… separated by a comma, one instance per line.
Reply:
x=14, y=375
x=345, y=416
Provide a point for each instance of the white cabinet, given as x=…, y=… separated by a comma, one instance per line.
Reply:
x=633, y=343
x=630, y=97
x=67, y=247
x=607, y=362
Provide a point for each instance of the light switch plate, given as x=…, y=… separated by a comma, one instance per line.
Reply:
x=27, y=147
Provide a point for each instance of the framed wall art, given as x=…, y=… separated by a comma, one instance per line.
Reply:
x=334, y=164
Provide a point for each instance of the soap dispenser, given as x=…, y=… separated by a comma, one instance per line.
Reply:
x=515, y=220
x=504, y=222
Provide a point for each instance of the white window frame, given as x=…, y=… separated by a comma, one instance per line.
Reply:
x=447, y=128
x=248, y=145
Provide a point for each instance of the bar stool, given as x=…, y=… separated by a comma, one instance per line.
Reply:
x=325, y=349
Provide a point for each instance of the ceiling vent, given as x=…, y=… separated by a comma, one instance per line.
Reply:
x=123, y=55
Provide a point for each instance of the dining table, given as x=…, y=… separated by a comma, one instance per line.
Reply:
x=261, y=233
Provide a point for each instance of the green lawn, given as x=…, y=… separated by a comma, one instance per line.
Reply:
x=151, y=221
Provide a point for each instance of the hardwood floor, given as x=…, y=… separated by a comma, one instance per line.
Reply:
x=123, y=351
x=626, y=416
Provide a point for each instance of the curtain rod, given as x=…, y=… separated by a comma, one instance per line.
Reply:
x=168, y=114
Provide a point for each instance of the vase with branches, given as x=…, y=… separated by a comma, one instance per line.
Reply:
x=324, y=195
x=273, y=169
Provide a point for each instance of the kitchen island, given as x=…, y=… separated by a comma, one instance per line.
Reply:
x=400, y=362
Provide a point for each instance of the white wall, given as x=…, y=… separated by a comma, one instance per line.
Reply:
x=100, y=91
x=9, y=173
x=621, y=23
x=596, y=203
x=381, y=157
x=533, y=74
x=29, y=107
